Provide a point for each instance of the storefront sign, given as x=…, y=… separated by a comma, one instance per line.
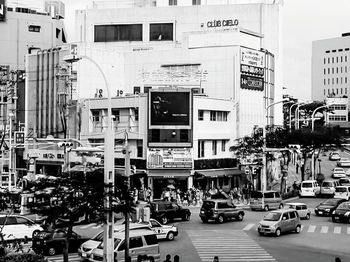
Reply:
x=252, y=83
x=222, y=23
x=171, y=158
x=252, y=57
x=2, y=10
x=258, y=71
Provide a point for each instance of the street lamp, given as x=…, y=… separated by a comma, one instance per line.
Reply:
x=290, y=115
x=108, y=238
x=263, y=177
x=297, y=113
x=11, y=115
x=313, y=115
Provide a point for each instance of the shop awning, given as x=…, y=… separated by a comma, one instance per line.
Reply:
x=220, y=172
x=121, y=171
x=168, y=173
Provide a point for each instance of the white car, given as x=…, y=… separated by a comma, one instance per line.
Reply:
x=338, y=172
x=18, y=227
x=301, y=208
x=342, y=192
x=334, y=156
x=343, y=162
x=162, y=231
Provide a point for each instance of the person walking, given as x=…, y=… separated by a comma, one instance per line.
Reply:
x=176, y=258
x=167, y=258
x=216, y=259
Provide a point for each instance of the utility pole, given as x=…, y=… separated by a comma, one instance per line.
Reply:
x=127, y=198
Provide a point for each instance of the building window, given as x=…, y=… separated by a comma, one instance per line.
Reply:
x=332, y=60
x=341, y=69
x=161, y=32
x=136, y=112
x=137, y=90
x=324, y=92
x=337, y=107
x=346, y=90
x=116, y=115
x=328, y=60
x=324, y=61
x=332, y=81
x=172, y=2
x=324, y=82
x=212, y=115
x=341, y=90
x=218, y=116
x=328, y=81
x=146, y=89
x=95, y=115
x=324, y=71
x=341, y=59
x=200, y=115
x=346, y=58
x=346, y=80
x=341, y=80
x=116, y=33
x=337, y=59
x=337, y=80
x=214, y=147
x=139, y=148
x=34, y=28
x=223, y=145
x=337, y=90
x=196, y=2
x=200, y=148
x=337, y=118
x=328, y=91
x=346, y=69
x=328, y=71
x=337, y=70
x=332, y=70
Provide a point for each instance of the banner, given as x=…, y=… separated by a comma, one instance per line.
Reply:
x=252, y=83
x=171, y=158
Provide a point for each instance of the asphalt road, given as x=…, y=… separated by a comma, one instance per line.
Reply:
x=320, y=240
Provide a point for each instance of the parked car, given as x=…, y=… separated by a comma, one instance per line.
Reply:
x=328, y=206
x=338, y=172
x=342, y=213
x=347, y=172
x=342, y=192
x=141, y=242
x=309, y=188
x=344, y=181
x=265, y=200
x=162, y=231
x=334, y=156
x=165, y=211
x=343, y=162
x=18, y=227
x=328, y=187
x=280, y=221
x=51, y=243
x=301, y=208
x=220, y=210
x=85, y=249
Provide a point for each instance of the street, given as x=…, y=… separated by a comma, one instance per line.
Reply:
x=320, y=238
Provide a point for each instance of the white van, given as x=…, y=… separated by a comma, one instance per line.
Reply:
x=265, y=200
x=309, y=188
x=342, y=192
x=141, y=242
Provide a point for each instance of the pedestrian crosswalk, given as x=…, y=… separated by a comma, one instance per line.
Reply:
x=59, y=258
x=228, y=245
x=312, y=229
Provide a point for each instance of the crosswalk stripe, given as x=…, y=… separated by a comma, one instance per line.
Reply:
x=311, y=229
x=337, y=230
x=324, y=229
x=248, y=227
x=348, y=230
x=59, y=258
x=229, y=245
x=302, y=227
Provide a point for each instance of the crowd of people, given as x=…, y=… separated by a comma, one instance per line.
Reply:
x=195, y=195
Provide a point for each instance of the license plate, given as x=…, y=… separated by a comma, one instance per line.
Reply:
x=202, y=212
x=37, y=242
x=336, y=217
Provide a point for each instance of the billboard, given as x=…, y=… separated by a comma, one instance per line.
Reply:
x=252, y=83
x=2, y=10
x=171, y=158
x=252, y=57
x=170, y=108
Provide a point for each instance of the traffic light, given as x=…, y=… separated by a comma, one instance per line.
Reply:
x=67, y=145
x=19, y=137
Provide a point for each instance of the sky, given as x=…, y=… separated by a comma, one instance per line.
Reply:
x=303, y=21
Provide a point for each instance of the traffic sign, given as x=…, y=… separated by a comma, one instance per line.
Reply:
x=19, y=137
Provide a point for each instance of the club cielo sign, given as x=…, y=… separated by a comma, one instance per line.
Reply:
x=222, y=23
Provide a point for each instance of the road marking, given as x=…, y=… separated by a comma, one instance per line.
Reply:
x=302, y=227
x=86, y=226
x=59, y=258
x=348, y=230
x=337, y=230
x=229, y=245
x=249, y=226
x=311, y=229
x=324, y=229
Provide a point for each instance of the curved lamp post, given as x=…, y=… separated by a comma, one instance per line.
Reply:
x=290, y=115
x=263, y=177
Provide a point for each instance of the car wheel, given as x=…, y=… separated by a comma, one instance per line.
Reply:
x=220, y=219
x=278, y=232
x=266, y=208
x=186, y=217
x=170, y=236
x=204, y=220
x=51, y=251
x=261, y=233
x=240, y=217
x=280, y=206
x=307, y=216
x=164, y=220
x=298, y=229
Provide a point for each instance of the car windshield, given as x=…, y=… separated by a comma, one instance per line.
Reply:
x=116, y=243
x=98, y=237
x=327, y=184
x=208, y=204
x=345, y=205
x=330, y=202
x=307, y=184
x=273, y=216
x=256, y=194
x=340, y=189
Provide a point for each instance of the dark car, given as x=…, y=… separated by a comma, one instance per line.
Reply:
x=164, y=211
x=342, y=213
x=220, y=210
x=52, y=243
x=327, y=207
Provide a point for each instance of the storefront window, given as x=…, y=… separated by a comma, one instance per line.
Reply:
x=161, y=32
x=115, y=33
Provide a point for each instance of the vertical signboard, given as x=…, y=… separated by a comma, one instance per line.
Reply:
x=2, y=10
x=252, y=69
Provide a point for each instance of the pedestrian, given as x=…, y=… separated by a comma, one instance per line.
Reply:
x=337, y=259
x=176, y=258
x=167, y=258
x=149, y=194
x=216, y=259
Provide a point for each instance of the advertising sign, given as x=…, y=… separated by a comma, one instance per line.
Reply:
x=170, y=108
x=171, y=158
x=252, y=82
x=252, y=70
x=2, y=10
x=252, y=57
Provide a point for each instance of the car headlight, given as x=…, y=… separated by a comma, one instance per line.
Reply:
x=333, y=212
x=327, y=210
x=316, y=208
x=347, y=213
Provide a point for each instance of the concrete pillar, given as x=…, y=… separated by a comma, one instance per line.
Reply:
x=190, y=182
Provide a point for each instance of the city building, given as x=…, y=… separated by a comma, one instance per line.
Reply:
x=22, y=30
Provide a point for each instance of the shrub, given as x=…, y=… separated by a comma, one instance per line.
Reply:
x=319, y=178
x=23, y=257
